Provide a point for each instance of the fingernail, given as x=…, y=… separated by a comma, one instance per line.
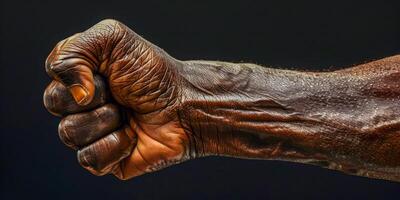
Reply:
x=79, y=93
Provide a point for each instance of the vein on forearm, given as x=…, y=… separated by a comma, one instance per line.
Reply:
x=251, y=111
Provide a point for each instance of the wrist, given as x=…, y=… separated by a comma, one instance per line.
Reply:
x=223, y=105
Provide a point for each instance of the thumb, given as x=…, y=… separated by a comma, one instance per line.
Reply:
x=73, y=71
x=73, y=60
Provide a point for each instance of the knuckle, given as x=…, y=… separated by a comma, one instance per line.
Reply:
x=88, y=159
x=111, y=25
x=109, y=113
x=109, y=22
x=49, y=67
x=103, y=29
x=106, y=31
x=65, y=134
x=57, y=100
x=105, y=118
x=49, y=99
x=53, y=58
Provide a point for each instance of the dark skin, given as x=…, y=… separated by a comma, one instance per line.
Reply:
x=129, y=108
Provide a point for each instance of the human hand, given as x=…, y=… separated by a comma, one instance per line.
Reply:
x=135, y=131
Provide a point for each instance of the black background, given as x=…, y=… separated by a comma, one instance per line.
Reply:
x=316, y=35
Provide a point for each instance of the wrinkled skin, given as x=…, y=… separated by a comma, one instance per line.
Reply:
x=129, y=108
x=142, y=81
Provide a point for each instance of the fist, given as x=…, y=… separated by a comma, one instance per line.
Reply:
x=118, y=97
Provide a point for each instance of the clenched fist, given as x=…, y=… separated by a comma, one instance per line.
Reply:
x=129, y=108
x=128, y=126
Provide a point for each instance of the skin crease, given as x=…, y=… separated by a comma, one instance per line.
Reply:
x=129, y=108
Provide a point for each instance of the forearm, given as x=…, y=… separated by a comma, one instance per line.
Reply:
x=346, y=120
